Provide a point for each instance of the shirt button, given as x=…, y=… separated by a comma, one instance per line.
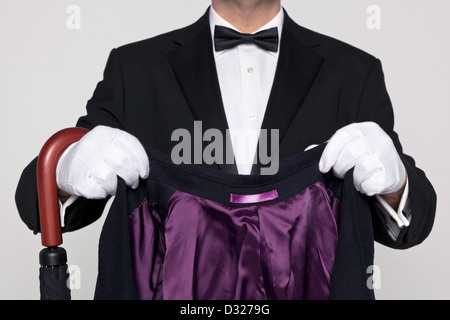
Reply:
x=250, y=70
x=252, y=117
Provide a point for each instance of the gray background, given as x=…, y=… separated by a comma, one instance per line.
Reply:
x=48, y=72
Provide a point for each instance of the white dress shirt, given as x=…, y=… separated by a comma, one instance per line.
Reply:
x=246, y=74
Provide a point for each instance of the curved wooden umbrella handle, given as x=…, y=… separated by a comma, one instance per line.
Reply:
x=51, y=234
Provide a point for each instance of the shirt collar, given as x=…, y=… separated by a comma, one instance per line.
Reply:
x=277, y=21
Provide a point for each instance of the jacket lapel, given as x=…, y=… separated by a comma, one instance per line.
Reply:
x=298, y=66
x=194, y=66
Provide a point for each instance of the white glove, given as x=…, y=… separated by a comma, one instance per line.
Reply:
x=365, y=147
x=89, y=167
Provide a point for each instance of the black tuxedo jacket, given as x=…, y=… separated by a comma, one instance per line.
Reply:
x=153, y=87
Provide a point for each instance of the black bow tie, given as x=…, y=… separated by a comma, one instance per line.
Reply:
x=226, y=38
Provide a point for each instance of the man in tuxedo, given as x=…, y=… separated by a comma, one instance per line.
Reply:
x=244, y=65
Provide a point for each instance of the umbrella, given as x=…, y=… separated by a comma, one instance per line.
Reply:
x=53, y=273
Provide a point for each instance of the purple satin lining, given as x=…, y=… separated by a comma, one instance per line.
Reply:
x=147, y=242
x=206, y=250
x=254, y=198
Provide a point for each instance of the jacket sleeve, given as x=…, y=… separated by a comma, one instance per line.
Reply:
x=375, y=105
x=104, y=108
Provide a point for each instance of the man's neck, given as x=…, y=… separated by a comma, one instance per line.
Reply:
x=247, y=17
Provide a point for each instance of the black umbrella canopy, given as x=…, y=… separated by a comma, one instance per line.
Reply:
x=54, y=274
